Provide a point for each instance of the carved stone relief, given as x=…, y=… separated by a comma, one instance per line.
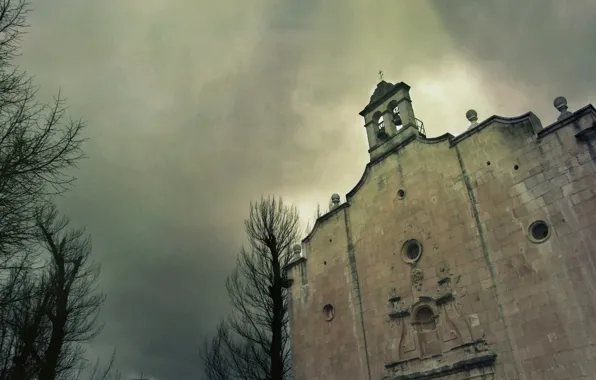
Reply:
x=407, y=339
x=453, y=285
x=304, y=294
x=432, y=327
x=430, y=334
x=417, y=278
x=424, y=319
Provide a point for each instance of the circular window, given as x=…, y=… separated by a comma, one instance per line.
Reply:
x=538, y=231
x=328, y=312
x=412, y=250
x=401, y=193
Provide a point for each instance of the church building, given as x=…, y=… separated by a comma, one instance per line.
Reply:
x=454, y=257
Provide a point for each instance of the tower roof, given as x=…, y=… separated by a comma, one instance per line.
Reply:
x=383, y=91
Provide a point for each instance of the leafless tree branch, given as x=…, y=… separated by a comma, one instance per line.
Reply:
x=253, y=342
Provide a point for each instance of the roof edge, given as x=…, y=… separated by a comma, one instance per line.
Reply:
x=561, y=123
x=371, y=105
x=293, y=263
x=321, y=219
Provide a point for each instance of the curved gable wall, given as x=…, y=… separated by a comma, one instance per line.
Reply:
x=472, y=219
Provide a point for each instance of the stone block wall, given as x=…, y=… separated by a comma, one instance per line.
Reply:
x=484, y=298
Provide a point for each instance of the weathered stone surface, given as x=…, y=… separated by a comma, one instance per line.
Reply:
x=480, y=276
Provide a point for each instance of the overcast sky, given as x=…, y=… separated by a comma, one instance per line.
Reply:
x=195, y=107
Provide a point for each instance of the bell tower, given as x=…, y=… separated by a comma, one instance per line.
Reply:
x=389, y=118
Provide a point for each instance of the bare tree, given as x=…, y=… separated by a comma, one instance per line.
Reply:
x=37, y=147
x=29, y=326
x=57, y=307
x=99, y=371
x=37, y=144
x=75, y=303
x=216, y=359
x=253, y=341
x=48, y=301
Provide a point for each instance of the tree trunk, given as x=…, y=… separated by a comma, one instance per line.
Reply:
x=49, y=366
x=277, y=322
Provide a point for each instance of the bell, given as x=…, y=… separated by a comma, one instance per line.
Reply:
x=396, y=119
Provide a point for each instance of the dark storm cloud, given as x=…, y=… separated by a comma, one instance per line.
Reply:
x=192, y=114
x=196, y=107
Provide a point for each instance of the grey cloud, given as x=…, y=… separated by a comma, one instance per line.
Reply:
x=197, y=107
x=543, y=48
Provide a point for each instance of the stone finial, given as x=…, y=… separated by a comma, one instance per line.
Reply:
x=335, y=199
x=472, y=117
x=560, y=104
x=297, y=249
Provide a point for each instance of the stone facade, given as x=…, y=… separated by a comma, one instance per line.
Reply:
x=454, y=257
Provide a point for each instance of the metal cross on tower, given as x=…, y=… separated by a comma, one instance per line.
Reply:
x=380, y=75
